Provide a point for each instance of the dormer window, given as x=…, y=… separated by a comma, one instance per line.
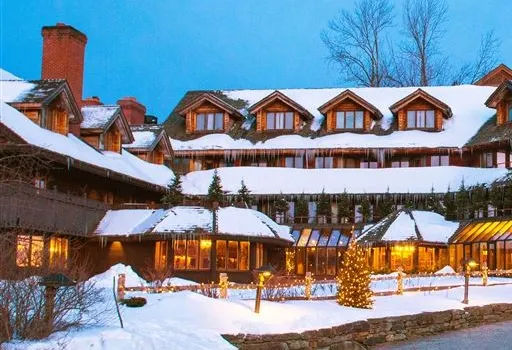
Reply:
x=280, y=120
x=209, y=121
x=420, y=119
x=510, y=112
x=349, y=120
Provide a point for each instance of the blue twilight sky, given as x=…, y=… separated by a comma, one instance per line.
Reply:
x=158, y=49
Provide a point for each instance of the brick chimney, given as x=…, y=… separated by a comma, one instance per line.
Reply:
x=133, y=110
x=63, y=56
x=92, y=101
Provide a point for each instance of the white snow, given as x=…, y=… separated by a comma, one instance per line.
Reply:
x=5, y=75
x=433, y=227
x=446, y=269
x=466, y=101
x=105, y=279
x=186, y=219
x=313, y=181
x=143, y=139
x=401, y=229
x=97, y=116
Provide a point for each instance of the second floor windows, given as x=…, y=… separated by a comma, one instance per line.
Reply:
x=294, y=162
x=324, y=162
x=421, y=119
x=439, y=161
x=209, y=121
x=349, y=119
x=279, y=120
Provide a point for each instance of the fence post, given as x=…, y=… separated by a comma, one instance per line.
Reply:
x=223, y=285
x=399, y=281
x=307, y=285
x=121, y=278
x=485, y=271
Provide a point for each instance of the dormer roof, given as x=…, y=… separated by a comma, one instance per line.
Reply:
x=419, y=93
x=211, y=98
x=147, y=137
x=348, y=94
x=498, y=94
x=277, y=95
x=99, y=118
x=496, y=76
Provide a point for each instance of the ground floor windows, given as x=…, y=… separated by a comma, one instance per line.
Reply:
x=59, y=252
x=29, y=251
x=161, y=254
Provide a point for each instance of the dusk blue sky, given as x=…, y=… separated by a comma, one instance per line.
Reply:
x=157, y=50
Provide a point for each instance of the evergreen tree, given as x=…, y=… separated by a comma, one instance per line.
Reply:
x=478, y=205
x=323, y=205
x=281, y=205
x=385, y=207
x=365, y=209
x=302, y=209
x=462, y=202
x=215, y=193
x=450, y=207
x=174, y=195
x=497, y=197
x=409, y=203
x=354, y=279
x=244, y=195
x=432, y=203
x=345, y=208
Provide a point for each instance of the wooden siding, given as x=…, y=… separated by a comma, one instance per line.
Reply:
x=113, y=139
x=93, y=140
x=276, y=106
x=206, y=107
x=419, y=104
x=502, y=111
x=35, y=116
x=347, y=106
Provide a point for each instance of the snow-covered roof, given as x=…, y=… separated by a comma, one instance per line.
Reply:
x=145, y=136
x=410, y=225
x=467, y=103
x=98, y=117
x=189, y=219
x=312, y=181
x=5, y=75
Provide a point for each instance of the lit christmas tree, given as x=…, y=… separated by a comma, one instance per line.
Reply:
x=354, y=279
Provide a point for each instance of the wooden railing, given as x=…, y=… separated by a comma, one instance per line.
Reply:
x=22, y=206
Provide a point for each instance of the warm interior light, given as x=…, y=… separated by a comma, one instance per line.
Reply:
x=266, y=273
x=205, y=244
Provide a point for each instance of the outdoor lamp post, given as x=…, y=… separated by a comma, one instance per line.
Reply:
x=264, y=273
x=468, y=264
x=52, y=283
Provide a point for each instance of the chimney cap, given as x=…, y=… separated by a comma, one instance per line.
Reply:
x=63, y=28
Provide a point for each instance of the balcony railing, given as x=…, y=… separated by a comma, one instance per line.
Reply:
x=23, y=206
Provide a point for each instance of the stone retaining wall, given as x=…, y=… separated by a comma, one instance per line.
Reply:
x=377, y=330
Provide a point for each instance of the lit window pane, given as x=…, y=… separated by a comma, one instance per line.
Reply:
x=180, y=254
x=359, y=119
x=270, y=121
x=58, y=252
x=430, y=119
x=243, y=259
x=36, y=251
x=160, y=255
x=192, y=249
x=349, y=124
x=313, y=241
x=289, y=120
x=22, y=251
x=221, y=255
x=204, y=253
x=304, y=237
x=340, y=120
x=232, y=255
x=219, y=121
x=411, y=119
x=200, y=122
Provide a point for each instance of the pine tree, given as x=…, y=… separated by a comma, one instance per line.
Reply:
x=345, y=209
x=409, y=203
x=497, y=197
x=365, y=209
x=244, y=195
x=432, y=203
x=174, y=195
x=479, y=200
x=450, y=207
x=462, y=202
x=385, y=207
x=354, y=279
x=215, y=193
x=301, y=209
x=281, y=205
x=323, y=205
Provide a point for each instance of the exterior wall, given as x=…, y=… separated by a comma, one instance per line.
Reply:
x=206, y=107
x=419, y=104
x=502, y=110
x=276, y=106
x=330, y=122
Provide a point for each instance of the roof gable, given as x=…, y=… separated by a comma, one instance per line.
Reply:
x=419, y=93
x=99, y=119
x=277, y=95
x=496, y=76
x=208, y=97
x=499, y=93
x=147, y=137
x=348, y=94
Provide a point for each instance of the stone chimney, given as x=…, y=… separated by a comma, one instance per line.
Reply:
x=133, y=110
x=63, y=56
x=92, y=101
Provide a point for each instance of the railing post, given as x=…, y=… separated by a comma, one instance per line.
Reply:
x=223, y=285
x=307, y=285
x=399, y=281
x=121, y=279
x=485, y=271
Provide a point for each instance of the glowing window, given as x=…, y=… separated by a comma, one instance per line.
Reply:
x=59, y=252
x=29, y=251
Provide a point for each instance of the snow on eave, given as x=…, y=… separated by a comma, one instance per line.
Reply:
x=5, y=75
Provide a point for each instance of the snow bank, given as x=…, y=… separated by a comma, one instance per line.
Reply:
x=446, y=269
x=434, y=227
x=177, y=281
x=105, y=279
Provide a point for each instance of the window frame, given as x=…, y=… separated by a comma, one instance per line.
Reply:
x=33, y=245
x=321, y=160
x=343, y=114
x=439, y=160
x=295, y=160
x=279, y=116
x=217, y=116
x=420, y=115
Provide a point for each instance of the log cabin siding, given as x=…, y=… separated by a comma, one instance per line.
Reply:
x=419, y=104
x=347, y=106
x=276, y=106
x=502, y=111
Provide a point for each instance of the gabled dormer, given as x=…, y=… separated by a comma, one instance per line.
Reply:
x=209, y=114
x=496, y=76
x=349, y=112
x=421, y=111
x=151, y=144
x=49, y=104
x=501, y=100
x=277, y=113
x=105, y=127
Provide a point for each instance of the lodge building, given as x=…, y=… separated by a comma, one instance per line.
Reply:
x=93, y=174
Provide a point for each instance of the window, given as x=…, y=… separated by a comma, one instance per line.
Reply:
x=40, y=182
x=192, y=254
x=368, y=165
x=180, y=256
x=279, y=120
x=294, y=162
x=221, y=255
x=486, y=160
x=204, y=253
x=259, y=255
x=349, y=119
x=403, y=163
x=29, y=251
x=439, y=161
x=234, y=255
x=59, y=252
x=243, y=257
x=501, y=161
x=510, y=113
x=421, y=119
x=161, y=251
x=209, y=121
x=324, y=162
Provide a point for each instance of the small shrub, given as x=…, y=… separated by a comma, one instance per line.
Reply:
x=134, y=302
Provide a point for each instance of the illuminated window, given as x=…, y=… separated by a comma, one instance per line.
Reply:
x=232, y=255
x=161, y=251
x=420, y=119
x=209, y=121
x=192, y=253
x=221, y=255
x=29, y=251
x=349, y=119
x=259, y=255
x=59, y=252
x=180, y=257
x=204, y=253
x=279, y=120
x=243, y=256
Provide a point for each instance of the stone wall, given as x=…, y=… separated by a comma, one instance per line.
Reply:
x=377, y=330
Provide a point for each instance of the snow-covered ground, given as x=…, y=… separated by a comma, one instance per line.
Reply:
x=188, y=320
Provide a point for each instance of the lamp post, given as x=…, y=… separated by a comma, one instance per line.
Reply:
x=468, y=264
x=264, y=273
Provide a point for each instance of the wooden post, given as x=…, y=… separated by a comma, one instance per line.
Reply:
x=223, y=285
x=399, y=282
x=485, y=271
x=307, y=287
x=121, y=279
x=259, y=287
x=49, y=300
